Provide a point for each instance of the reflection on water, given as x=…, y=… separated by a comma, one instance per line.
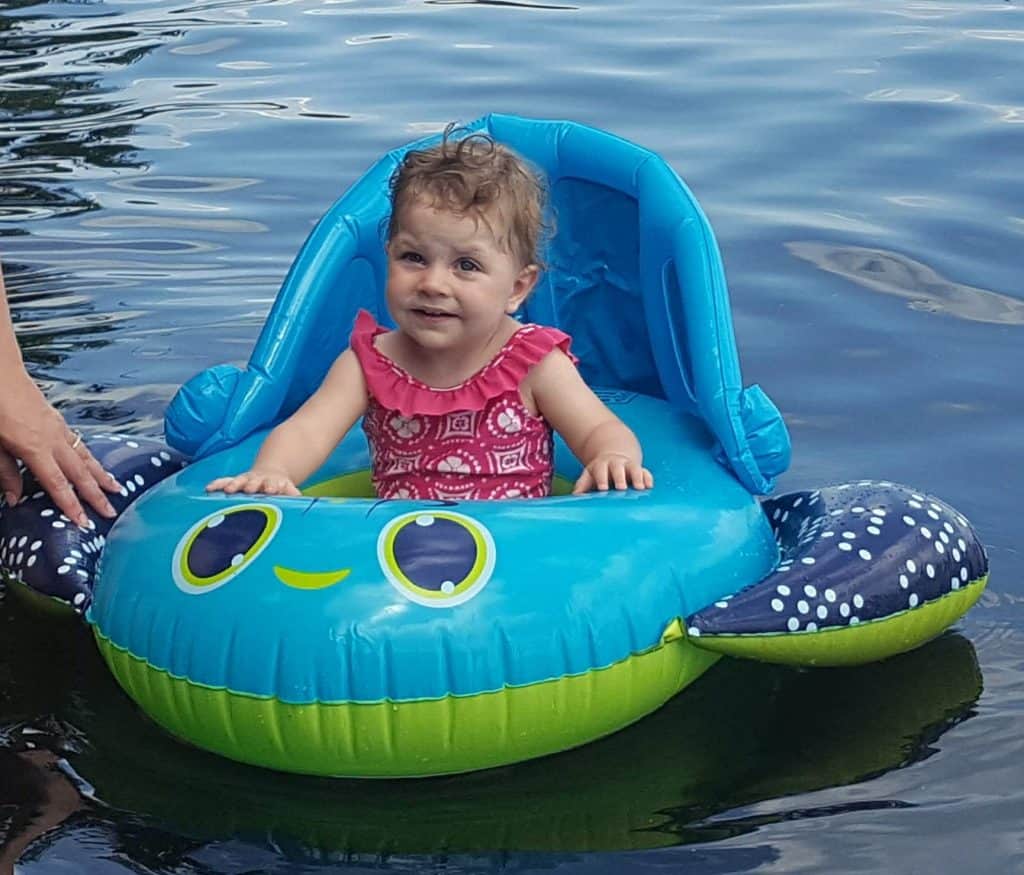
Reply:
x=111, y=265
x=743, y=733
x=58, y=120
x=51, y=319
x=894, y=274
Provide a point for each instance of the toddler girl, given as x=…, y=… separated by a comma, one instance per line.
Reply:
x=459, y=400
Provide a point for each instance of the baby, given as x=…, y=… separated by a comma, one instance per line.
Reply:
x=459, y=400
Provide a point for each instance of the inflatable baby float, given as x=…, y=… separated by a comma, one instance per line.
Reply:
x=339, y=634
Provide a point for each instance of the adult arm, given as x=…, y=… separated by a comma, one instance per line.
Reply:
x=33, y=431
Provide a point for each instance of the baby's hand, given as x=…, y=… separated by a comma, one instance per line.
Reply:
x=266, y=481
x=613, y=470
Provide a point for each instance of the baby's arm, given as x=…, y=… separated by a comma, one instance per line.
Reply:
x=299, y=445
x=609, y=451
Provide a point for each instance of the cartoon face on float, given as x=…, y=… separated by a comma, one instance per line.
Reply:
x=436, y=558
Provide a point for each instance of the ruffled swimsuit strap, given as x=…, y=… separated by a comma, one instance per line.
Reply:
x=396, y=389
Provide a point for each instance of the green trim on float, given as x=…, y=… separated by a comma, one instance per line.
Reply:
x=851, y=645
x=357, y=484
x=51, y=606
x=413, y=738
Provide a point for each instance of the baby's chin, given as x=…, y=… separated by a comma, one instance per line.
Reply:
x=433, y=332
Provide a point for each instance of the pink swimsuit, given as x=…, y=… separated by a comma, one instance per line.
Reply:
x=476, y=440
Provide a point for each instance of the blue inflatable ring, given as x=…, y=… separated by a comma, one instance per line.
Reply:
x=367, y=637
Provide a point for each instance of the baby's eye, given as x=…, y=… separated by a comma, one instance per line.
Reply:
x=468, y=265
x=414, y=257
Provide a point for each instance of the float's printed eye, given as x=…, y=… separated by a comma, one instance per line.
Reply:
x=218, y=547
x=436, y=559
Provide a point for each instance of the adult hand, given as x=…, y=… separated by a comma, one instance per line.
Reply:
x=33, y=431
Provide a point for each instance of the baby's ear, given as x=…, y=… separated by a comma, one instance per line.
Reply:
x=522, y=287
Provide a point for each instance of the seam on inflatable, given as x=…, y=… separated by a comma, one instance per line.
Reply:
x=224, y=708
x=638, y=170
x=506, y=656
x=564, y=649
x=389, y=725
x=273, y=725
x=506, y=719
x=269, y=697
x=447, y=667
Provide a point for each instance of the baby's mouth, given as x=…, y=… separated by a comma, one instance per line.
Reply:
x=432, y=313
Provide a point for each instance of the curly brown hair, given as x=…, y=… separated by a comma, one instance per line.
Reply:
x=471, y=174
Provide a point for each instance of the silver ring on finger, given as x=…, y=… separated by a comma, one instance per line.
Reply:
x=78, y=438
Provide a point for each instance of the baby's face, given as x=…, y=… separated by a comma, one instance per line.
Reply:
x=451, y=281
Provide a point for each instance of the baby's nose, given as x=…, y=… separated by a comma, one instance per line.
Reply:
x=433, y=281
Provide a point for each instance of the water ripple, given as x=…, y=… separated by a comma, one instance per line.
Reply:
x=517, y=3
x=1014, y=36
x=903, y=277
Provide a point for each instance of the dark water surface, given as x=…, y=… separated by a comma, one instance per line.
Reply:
x=863, y=166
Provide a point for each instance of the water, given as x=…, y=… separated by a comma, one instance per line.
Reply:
x=860, y=162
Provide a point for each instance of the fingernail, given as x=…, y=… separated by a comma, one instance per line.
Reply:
x=10, y=498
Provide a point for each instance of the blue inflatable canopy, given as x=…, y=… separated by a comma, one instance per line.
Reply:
x=634, y=275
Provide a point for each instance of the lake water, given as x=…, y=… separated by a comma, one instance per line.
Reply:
x=861, y=163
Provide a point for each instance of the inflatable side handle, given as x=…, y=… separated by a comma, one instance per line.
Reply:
x=768, y=449
x=766, y=433
x=754, y=442
x=197, y=409
x=255, y=403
